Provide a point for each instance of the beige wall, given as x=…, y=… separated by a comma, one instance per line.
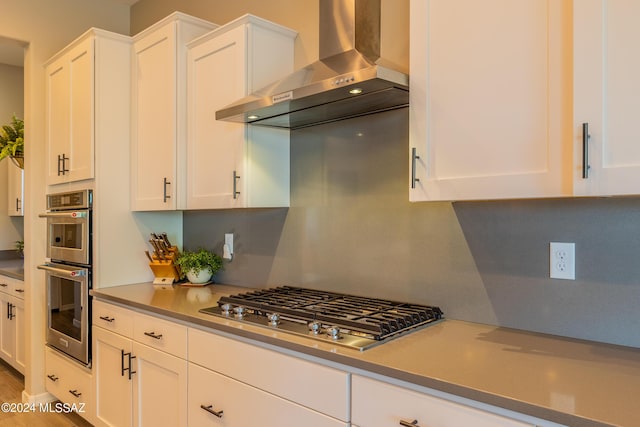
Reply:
x=11, y=102
x=299, y=15
x=44, y=27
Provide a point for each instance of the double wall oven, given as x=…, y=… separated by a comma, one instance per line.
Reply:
x=68, y=273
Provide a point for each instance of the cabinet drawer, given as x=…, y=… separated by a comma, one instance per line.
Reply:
x=71, y=384
x=18, y=289
x=161, y=334
x=7, y=285
x=242, y=405
x=375, y=403
x=315, y=386
x=113, y=318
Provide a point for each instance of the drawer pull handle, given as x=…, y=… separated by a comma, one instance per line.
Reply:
x=20, y=291
x=153, y=335
x=75, y=393
x=413, y=423
x=107, y=318
x=4, y=285
x=210, y=410
x=52, y=377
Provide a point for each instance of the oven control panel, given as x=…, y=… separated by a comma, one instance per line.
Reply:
x=75, y=200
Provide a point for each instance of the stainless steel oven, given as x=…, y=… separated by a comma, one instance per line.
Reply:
x=68, y=309
x=69, y=227
x=68, y=273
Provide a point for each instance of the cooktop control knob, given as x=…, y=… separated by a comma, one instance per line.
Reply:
x=239, y=311
x=274, y=319
x=226, y=308
x=315, y=327
x=333, y=332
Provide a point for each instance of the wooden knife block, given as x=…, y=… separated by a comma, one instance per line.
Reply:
x=165, y=271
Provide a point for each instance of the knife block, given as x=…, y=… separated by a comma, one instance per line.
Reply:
x=165, y=270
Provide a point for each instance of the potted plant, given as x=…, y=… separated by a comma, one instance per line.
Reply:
x=12, y=141
x=20, y=248
x=198, y=266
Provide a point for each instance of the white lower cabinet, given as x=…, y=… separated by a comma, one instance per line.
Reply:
x=217, y=400
x=12, y=322
x=70, y=382
x=322, y=391
x=375, y=403
x=159, y=388
x=138, y=383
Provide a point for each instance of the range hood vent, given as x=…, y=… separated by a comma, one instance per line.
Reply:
x=349, y=80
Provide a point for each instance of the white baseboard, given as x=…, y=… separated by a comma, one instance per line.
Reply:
x=37, y=398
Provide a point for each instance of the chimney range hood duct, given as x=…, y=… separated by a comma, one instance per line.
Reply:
x=348, y=81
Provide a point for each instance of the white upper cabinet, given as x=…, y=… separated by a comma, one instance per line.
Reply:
x=490, y=99
x=87, y=100
x=231, y=164
x=15, y=199
x=70, y=112
x=158, y=135
x=607, y=96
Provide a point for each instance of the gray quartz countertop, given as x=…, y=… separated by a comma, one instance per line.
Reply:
x=12, y=268
x=570, y=382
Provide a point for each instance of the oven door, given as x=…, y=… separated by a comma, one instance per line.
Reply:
x=68, y=309
x=68, y=236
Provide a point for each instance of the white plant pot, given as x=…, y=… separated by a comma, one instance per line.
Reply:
x=203, y=276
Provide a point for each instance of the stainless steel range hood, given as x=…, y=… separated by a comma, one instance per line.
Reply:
x=349, y=80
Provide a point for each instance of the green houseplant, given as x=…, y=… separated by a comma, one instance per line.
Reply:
x=198, y=266
x=12, y=141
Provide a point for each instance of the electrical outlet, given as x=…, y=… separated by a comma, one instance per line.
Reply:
x=562, y=260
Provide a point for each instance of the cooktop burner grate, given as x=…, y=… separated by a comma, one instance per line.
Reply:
x=371, y=318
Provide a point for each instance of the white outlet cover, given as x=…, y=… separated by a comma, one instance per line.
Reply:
x=562, y=260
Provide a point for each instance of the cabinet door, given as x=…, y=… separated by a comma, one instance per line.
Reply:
x=7, y=328
x=490, y=89
x=15, y=199
x=216, y=77
x=375, y=403
x=81, y=142
x=19, y=325
x=239, y=404
x=112, y=384
x=159, y=388
x=70, y=142
x=607, y=96
x=58, y=117
x=154, y=121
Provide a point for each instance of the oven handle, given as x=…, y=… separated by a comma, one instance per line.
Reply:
x=67, y=214
x=69, y=274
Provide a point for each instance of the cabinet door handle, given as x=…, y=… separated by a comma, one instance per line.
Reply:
x=236, y=177
x=52, y=377
x=10, y=314
x=122, y=368
x=210, y=410
x=413, y=423
x=17, y=204
x=107, y=318
x=62, y=160
x=153, y=335
x=585, y=150
x=165, y=196
x=414, y=158
x=75, y=393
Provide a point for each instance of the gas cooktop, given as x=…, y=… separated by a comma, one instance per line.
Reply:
x=347, y=320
